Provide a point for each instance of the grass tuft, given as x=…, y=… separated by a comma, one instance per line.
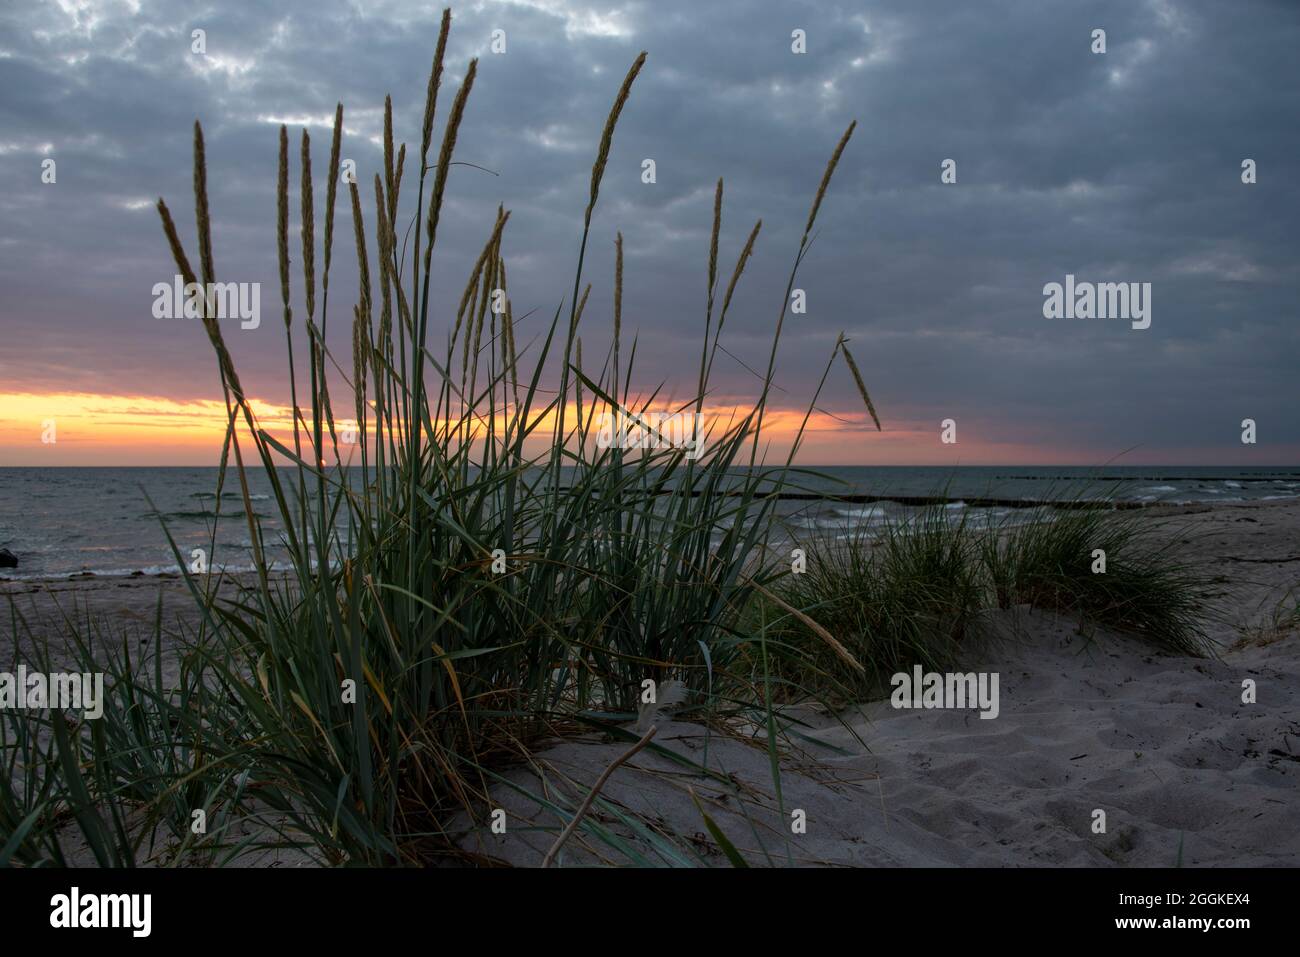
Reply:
x=458, y=587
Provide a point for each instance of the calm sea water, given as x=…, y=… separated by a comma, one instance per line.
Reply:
x=63, y=521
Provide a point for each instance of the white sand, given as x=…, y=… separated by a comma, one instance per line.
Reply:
x=1163, y=745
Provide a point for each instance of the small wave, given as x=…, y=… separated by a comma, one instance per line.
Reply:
x=204, y=514
x=1160, y=488
x=870, y=511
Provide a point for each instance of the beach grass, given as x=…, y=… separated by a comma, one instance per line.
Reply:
x=920, y=591
x=461, y=600
x=908, y=592
x=1106, y=568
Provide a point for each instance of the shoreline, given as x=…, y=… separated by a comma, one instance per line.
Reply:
x=110, y=593
x=975, y=501
x=12, y=580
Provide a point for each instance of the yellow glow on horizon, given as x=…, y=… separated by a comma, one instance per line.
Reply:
x=61, y=428
x=80, y=428
x=100, y=429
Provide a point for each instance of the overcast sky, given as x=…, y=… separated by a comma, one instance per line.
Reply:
x=1117, y=167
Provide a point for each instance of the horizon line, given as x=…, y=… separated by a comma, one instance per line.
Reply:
x=829, y=465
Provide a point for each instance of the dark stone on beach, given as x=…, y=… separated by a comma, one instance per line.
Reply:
x=8, y=559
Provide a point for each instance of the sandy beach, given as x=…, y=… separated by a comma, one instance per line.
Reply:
x=120, y=605
x=1089, y=721
x=1185, y=772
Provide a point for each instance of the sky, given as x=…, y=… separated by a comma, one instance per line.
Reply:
x=1122, y=166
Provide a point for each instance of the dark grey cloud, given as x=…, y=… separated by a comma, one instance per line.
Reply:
x=1118, y=167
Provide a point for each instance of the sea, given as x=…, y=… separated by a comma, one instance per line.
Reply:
x=64, y=522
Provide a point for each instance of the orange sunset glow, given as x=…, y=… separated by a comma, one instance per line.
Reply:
x=99, y=429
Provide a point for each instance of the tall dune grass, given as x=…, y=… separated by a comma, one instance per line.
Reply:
x=451, y=598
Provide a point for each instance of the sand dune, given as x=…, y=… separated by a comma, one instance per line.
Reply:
x=1164, y=746
x=1183, y=769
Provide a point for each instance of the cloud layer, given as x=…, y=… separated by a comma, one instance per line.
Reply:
x=1123, y=166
